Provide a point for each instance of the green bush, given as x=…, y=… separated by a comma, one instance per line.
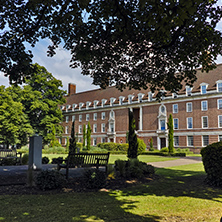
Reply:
x=45, y=160
x=212, y=161
x=114, y=146
x=58, y=160
x=141, y=146
x=94, y=178
x=24, y=149
x=79, y=146
x=54, y=150
x=164, y=150
x=49, y=179
x=133, y=168
x=25, y=159
x=8, y=162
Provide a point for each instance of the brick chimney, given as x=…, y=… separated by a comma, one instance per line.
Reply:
x=72, y=89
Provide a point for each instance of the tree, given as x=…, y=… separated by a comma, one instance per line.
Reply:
x=14, y=124
x=129, y=43
x=170, y=134
x=72, y=140
x=132, y=138
x=151, y=144
x=88, y=136
x=84, y=135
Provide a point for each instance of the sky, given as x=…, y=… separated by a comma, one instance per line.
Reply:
x=58, y=65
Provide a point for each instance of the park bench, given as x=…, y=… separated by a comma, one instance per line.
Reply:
x=10, y=154
x=84, y=160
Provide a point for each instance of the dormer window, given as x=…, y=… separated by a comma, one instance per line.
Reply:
x=67, y=107
x=203, y=88
x=130, y=99
x=112, y=100
x=188, y=90
x=140, y=97
x=103, y=102
x=219, y=86
x=150, y=96
x=80, y=105
x=174, y=95
x=74, y=106
x=121, y=98
x=88, y=104
x=61, y=107
x=95, y=103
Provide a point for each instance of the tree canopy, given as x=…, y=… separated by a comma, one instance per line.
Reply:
x=129, y=43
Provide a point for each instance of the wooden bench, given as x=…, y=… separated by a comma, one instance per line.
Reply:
x=84, y=160
x=11, y=154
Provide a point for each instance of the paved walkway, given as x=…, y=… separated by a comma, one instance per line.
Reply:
x=22, y=170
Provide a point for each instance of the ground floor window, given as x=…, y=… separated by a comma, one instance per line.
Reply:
x=103, y=139
x=190, y=141
x=94, y=142
x=220, y=138
x=205, y=140
x=176, y=140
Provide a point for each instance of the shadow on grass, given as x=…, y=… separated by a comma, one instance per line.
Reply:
x=177, y=183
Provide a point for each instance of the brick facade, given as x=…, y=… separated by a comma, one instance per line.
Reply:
x=197, y=117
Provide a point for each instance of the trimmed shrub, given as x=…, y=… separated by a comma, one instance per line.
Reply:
x=8, y=162
x=25, y=159
x=58, y=160
x=141, y=146
x=94, y=178
x=212, y=161
x=49, y=179
x=45, y=160
x=164, y=150
x=114, y=146
x=79, y=146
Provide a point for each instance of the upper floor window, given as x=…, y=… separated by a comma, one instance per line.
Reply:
x=80, y=105
x=140, y=97
x=220, y=121
x=103, y=115
x=162, y=124
x=188, y=90
x=204, y=105
x=103, y=127
x=204, y=121
x=150, y=96
x=121, y=98
x=94, y=116
x=73, y=118
x=175, y=108
x=94, y=128
x=80, y=128
x=74, y=106
x=219, y=103
x=66, y=130
x=219, y=86
x=189, y=107
x=67, y=119
x=190, y=123
x=130, y=99
x=87, y=117
x=176, y=123
x=111, y=126
x=112, y=114
x=80, y=118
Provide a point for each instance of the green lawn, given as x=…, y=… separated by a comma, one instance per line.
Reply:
x=179, y=194
x=144, y=158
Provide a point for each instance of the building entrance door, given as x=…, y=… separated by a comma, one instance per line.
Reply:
x=162, y=142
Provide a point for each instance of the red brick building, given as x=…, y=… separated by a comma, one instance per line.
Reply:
x=196, y=111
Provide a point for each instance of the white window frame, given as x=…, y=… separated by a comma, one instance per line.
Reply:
x=112, y=100
x=66, y=130
x=219, y=104
x=219, y=86
x=95, y=103
x=150, y=96
x=95, y=128
x=73, y=106
x=67, y=119
x=103, y=115
x=88, y=104
x=203, y=107
x=80, y=117
x=103, y=139
x=203, y=89
x=175, y=108
x=162, y=124
x=80, y=105
x=189, y=105
x=188, y=91
x=220, y=138
x=94, y=116
x=80, y=128
x=87, y=117
x=220, y=121
x=73, y=118
x=203, y=142
x=94, y=141
x=103, y=102
x=189, y=118
x=203, y=118
x=188, y=141
x=176, y=119
x=103, y=127
x=130, y=99
x=140, y=97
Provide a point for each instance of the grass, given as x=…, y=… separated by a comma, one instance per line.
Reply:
x=179, y=194
x=113, y=157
